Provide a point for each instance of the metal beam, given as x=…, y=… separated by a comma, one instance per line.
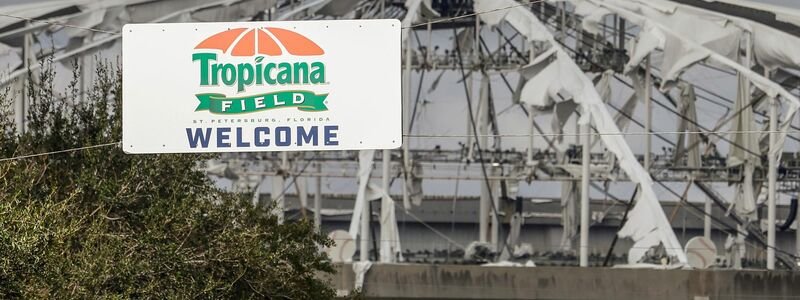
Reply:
x=584, y=242
x=773, y=173
x=752, y=231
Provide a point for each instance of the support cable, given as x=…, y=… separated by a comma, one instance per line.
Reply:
x=480, y=152
x=57, y=152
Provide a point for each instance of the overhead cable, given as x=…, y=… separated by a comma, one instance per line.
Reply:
x=57, y=152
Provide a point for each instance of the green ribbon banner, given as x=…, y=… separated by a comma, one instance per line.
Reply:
x=302, y=100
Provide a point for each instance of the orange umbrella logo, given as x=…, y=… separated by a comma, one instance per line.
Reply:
x=249, y=42
x=259, y=42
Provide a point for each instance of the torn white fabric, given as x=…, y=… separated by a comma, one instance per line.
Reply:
x=365, y=158
x=773, y=90
x=648, y=225
x=603, y=86
x=537, y=91
x=745, y=191
x=592, y=15
x=492, y=16
x=688, y=144
x=519, y=16
x=717, y=34
x=506, y=263
x=650, y=266
x=416, y=10
x=533, y=68
x=660, y=6
x=115, y=18
x=512, y=240
x=35, y=10
x=390, y=248
x=256, y=200
x=747, y=154
x=415, y=186
x=573, y=83
x=649, y=39
x=373, y=192
x=640, y=247
x=744, y=123
x=561, y=114
x=465, y=39
x=41, y=8
x=678, y=56
x=716, y=30
x=90, y=19
x=745, y=199
x=761, y=195
x=718, y=56
x=638, y=82
x=301, y=187
x=622, y=118
x=361, y=268
x=569, y=214
x=774, y=48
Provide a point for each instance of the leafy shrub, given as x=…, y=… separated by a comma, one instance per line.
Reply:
x=98, y=223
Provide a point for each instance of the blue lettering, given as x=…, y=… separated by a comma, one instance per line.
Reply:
x=239, y=142
x=223, y=137
x=261, y=131
x=309, y=137
x=200, y=135
x=330, y=135
x=283, y=136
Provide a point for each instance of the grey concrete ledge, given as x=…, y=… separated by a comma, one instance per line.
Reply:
x=421, y=281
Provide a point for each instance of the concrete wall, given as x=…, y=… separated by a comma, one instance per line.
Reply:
x=398, y=281
x=544, y=237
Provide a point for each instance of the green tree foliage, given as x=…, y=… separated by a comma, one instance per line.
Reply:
x=98, y=223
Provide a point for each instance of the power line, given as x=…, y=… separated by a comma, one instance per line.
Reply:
x=437, y=232
x=36, y=20
x=56, y=24
x=295, y=176
x=472, y=14
x=57, y=152
x=522, y=135
x=478, y=146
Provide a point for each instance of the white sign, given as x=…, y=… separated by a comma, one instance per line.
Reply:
x=261, y=86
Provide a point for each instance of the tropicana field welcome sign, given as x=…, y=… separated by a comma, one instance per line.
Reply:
x=261, y=86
